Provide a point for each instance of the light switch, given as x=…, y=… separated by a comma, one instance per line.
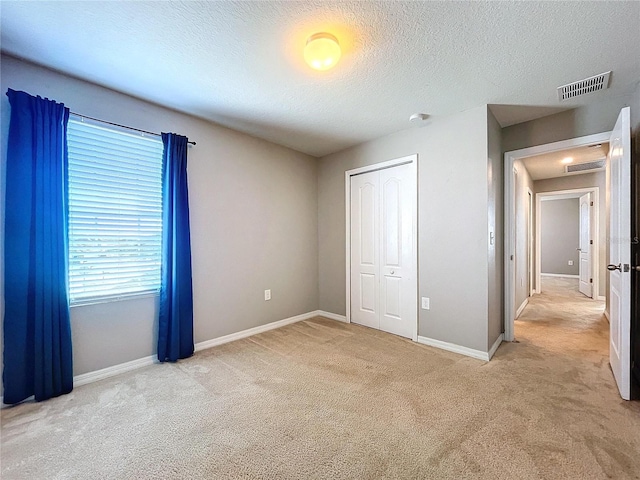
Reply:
x=267, y=295
x=426, y=303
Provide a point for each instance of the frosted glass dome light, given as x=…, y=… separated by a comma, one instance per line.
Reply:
x=322, y=51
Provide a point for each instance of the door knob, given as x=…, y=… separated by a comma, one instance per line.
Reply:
x=392, y=272
x=636, y=268
x=612, y=267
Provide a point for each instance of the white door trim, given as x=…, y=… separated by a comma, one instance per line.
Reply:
x=595, y=229
x=413, y=161
x=530, y=243
x=509, y=201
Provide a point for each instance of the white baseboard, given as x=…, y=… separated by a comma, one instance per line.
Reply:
x=602, y=298
x=521, y=307
x=90, y=377
x=606, y=314
x=452, y=347
x=559, y=275
x=332, y=316
x=103, y=373
x=254, y=331
x=495, y=345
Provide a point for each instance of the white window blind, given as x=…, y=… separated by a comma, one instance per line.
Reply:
x=115, y=212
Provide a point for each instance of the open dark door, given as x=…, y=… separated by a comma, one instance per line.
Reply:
x=635, y=267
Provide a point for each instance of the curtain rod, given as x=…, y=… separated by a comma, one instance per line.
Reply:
x=122, y=126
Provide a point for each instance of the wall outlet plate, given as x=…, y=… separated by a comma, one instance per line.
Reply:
x=426, y=303
x=570, y=262
x=267, y=294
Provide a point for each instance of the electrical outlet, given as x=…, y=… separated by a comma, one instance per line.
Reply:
x=570, y=262
x=426, y=303
x=267, y=294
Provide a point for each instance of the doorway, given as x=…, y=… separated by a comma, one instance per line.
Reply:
x=618, y=238
x=381, y=246
x=584, y=219
x=511, y=158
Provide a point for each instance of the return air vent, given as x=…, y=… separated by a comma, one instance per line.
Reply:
x=585, y=167
x=582, y=87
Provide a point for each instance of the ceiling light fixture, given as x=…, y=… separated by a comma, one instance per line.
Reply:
x=567, y=160
x=322, y=51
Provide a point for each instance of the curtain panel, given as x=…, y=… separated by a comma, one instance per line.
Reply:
x=175, y=322
x=37, y=332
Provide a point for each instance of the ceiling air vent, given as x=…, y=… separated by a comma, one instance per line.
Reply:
x=584, y=167
x=582, y=87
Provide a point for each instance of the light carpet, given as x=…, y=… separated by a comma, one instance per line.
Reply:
x=323, y=399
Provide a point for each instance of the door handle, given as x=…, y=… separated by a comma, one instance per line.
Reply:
x=612, y=267
x=579, y=249
x=636, y=268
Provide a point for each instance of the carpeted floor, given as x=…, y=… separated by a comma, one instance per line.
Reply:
x=322, y=399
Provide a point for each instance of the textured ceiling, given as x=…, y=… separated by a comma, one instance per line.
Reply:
x=240, y=63
x=549, y=165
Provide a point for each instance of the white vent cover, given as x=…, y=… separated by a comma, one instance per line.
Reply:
x=584, y=167
x=582, y=87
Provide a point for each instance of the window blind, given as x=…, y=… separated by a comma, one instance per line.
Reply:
x=115, y=212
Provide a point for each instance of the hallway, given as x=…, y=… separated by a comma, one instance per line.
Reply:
x=562, y=320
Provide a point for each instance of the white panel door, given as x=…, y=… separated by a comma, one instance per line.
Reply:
x=585, y=250
x=383, y=270
x=398, y=289
x=365, y=249
x=620, y=253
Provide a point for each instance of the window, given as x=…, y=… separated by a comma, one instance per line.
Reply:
x=115, y=212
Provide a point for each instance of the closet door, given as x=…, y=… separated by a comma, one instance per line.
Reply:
x=365, y=249
x=398, y=286
x=383, y=266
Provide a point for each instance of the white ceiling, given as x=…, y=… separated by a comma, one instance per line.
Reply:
x=549, y=165
x=240, y=63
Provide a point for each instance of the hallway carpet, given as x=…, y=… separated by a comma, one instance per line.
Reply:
x=323, y=399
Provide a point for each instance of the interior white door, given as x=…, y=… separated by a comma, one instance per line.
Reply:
x=383, y=268
x=365, y=249
x=398, y=292
x=584, y=249
x=620, y=252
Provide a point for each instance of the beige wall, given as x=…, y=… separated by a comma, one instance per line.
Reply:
x=452, y=223
x=253, y=219
x=586, y=180
x=495, y=179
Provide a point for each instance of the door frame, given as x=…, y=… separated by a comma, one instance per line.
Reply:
x=531, y=245
x=411, y=160
x=594, y=227
x=509, y=219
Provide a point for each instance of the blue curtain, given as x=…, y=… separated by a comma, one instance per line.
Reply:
x=37, y=332
x=175, y=323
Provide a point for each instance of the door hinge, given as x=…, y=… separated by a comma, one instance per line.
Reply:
x=590, y=242
x=592, y=204
x=591, y=280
